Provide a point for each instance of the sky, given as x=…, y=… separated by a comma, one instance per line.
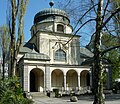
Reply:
x=34, y=6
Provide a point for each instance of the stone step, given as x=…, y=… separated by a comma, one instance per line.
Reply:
x=37, y=94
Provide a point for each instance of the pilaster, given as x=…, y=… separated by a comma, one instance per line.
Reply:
x=78, y=82
x=25, y=78
x=65, y=82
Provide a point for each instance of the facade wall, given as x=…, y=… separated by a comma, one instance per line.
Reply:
x=50, y=43
x=50, y=26
x=62, y=78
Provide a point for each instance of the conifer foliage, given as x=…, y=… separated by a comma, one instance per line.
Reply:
x=12, y=93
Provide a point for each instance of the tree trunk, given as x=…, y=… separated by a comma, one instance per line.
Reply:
x=98, y=71
x=13, y=47
x=3, y=65
x=18, y=12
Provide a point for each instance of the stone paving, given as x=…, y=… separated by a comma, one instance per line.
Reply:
x=110, y=99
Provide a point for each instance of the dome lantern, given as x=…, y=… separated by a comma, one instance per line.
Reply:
x=51, y=3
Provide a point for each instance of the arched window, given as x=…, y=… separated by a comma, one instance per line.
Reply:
x=60, y=55
x=60, y=28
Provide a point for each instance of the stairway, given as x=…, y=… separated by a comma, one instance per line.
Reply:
x=37, y=94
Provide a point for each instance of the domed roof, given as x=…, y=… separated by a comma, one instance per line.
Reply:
x=51, y=12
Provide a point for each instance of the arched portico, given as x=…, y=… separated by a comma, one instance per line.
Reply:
x=57, y=79
x=72, y=80
x=85, y=78
x=36, y=80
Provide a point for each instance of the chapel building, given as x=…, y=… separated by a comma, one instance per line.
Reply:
x=52, y=58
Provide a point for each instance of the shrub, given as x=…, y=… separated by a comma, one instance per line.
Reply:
x=11, y=92
x=56, y=92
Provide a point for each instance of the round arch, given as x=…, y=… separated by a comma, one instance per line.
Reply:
x=85, y=78
x=57, y=79
x=36, y=80
x=72, y=80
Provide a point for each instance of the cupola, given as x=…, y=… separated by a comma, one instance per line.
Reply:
x=51, y=14
x=52, y=19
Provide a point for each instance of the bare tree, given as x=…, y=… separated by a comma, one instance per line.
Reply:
x=4, y=44
x=116, y=19
x=102, y=19
x=16, y=12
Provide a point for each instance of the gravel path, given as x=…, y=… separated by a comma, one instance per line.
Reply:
x=110, y=99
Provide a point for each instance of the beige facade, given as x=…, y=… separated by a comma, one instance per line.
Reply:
x=46, y=77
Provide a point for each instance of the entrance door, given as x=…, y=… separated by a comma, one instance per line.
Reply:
x=32, y=82
x=36, y=80
x=88, y=79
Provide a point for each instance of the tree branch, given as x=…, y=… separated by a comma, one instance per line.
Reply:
x=109, y=49
x=108, y=31
x=103, y=24
x=79, y=29
x=94, y=6
x=83, y=25
x=105, y=9
x=108, y=19
x=17, y=7
x=67, y=4
x=84, y=15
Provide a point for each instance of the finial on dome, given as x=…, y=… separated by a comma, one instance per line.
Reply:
x=51, y=3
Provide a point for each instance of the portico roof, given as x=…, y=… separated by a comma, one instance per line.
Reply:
x=36, y=56
x=30, y=52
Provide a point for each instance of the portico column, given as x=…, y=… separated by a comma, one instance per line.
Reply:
x=109, y=77
x=78, y=82
x=65, y=82
x=47, y=78
x=90, y=77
